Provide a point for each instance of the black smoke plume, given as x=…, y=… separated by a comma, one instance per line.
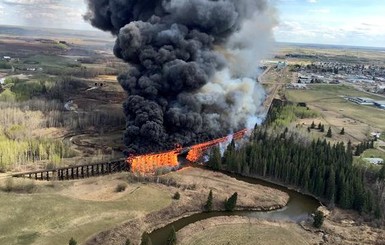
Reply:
x=183, y=83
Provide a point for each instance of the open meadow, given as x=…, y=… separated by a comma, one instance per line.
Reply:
x=336, y=111
x=45, y=213
x=244, y=231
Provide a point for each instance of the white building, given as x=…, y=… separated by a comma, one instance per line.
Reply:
x=376, y=161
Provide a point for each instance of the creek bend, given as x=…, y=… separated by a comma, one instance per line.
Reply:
x=298, y=208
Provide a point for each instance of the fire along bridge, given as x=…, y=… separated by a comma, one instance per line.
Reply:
x=147, y=163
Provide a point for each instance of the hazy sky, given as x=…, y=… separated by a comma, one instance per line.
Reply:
x=349, y=22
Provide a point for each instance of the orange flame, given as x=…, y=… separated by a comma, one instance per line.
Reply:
x=196, y=151
x=150, y=162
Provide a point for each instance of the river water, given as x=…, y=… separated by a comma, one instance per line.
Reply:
x=297, y=209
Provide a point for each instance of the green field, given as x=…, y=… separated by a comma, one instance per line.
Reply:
x=49, y=217
x=331, y=98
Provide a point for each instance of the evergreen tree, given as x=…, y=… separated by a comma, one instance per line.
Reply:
x=322, y=128
x=342, y=131
x=319, y=126
x=331, y=185
x=381, y=173
x=209, y=204
x=377, y=211
x=323, y=169
x=318, y=219
x=312, y=126
x=172, y=237
x=329, y=133
x=231, y=202
x=215, y=158
x=72, y=241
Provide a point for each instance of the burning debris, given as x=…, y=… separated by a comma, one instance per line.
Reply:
x=193, y=66
x=148, y=163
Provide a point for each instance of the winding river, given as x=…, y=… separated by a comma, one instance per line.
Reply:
x=297, y=209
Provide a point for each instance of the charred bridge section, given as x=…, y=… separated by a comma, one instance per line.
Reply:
x=77, y=172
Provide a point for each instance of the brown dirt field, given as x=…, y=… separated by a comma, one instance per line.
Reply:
x=348, y=227
x=194, y=188
x=223, y=186
x=98, y=189
x=236, y=230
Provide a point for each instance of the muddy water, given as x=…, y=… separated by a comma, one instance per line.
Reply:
x=298, y=208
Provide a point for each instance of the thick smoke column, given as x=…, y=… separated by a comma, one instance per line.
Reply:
x=191, y=66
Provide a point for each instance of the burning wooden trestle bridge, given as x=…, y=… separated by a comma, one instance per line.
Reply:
x=143, y=164
x=149, y=162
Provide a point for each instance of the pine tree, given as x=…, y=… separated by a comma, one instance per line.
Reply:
x=231, y=202
x=215, y=158
x=319, y=126
x=209, y=204
x=318, y=219
x=342, y=131
x=72, y=241
x=381, y=173
x=322, y=128
x=312, y=126
x=331, y=185
x=172, y=237
x=329, y=133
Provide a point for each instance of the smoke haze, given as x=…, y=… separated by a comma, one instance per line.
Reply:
x=193, y=65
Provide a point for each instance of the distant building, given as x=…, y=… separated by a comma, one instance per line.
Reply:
x=361, y=100
x=380, y=104
x=376, y=135
x=296, y=86
x=375, y=160
x=281, y=65
x=7, y=58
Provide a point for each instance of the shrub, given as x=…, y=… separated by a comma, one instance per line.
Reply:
x=128, y=242
x=72, y=241
x=21, y=186
x=121, y=187
x=318, y=219
x=176, y=196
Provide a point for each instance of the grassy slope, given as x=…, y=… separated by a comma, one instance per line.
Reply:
x=246, y=234
x=330, y=97
x=49, y=218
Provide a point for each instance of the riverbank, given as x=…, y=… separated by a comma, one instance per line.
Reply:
x=194, y=185
x=242, y=230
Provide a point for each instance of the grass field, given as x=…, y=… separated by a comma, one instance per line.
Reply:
x=243, y=232
x=54, y=214
x=358, y=120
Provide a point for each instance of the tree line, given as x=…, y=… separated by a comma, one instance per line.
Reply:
x=318, y=167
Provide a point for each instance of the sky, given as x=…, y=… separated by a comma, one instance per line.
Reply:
x=345, y=22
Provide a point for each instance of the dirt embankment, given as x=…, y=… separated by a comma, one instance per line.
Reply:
x=346, y=227
x=194, y=185
x=243, y=231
